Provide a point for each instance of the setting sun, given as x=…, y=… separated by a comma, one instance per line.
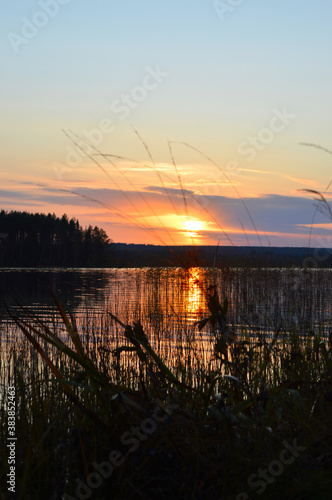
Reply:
x=193, y=225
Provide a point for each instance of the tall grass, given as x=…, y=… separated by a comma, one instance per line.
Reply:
x=232, y=409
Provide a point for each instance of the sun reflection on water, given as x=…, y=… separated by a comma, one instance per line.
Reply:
x=194, y=297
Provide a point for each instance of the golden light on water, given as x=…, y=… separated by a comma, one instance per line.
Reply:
x=195, y=296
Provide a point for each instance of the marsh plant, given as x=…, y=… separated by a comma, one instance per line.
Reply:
x=221, y=417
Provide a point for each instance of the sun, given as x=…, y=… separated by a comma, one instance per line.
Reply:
x=193, y=225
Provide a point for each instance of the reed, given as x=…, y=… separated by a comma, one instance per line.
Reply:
x=233, y=404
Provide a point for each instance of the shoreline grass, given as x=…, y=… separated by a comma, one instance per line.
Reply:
x=222, y=417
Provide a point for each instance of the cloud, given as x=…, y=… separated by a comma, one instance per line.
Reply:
x=168, y=191
x=284, y=219
x=299, y=180
x=13, y=194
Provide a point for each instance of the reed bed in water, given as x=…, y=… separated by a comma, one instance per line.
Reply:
x=118, y=413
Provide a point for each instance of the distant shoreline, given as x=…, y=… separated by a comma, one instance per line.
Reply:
x=222, y=256
x=123, y=255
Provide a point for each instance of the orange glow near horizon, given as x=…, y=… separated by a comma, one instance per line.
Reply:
x=180, y=228
x=146, y=216
x=194, y=225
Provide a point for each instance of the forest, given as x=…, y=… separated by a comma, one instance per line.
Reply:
x=38, y=240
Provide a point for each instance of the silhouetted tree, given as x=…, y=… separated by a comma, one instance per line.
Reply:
x=46, y=240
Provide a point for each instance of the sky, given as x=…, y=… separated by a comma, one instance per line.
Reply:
x=170, y=122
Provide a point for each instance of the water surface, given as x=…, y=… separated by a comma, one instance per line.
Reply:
x=260, y=300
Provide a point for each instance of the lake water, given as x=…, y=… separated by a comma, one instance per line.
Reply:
x=168, y=300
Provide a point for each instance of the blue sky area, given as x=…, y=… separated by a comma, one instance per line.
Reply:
x=245, y=82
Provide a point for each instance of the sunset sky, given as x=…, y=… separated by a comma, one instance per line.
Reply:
x=205, y=106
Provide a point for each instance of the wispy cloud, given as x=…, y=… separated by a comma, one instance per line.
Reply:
x=299, y=180
x=173, y=191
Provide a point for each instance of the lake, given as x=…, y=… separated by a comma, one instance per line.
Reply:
x=169, y=300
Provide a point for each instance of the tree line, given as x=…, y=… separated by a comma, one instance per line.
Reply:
x=30, y=240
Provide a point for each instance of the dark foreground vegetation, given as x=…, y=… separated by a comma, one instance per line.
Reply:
x=116, y=416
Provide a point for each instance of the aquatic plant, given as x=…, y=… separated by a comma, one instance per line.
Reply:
x=219, y=422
